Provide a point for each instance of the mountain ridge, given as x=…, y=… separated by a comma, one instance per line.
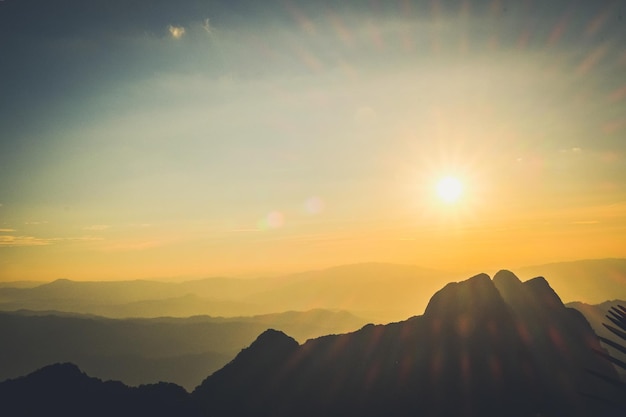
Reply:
x=379, y=292
x=471, y=313
x=476, y=351
x=140, y=351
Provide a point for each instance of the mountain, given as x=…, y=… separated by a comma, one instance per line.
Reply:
x=119, y=299
x=63, y=390
x=483, y=347
x=596, y=315
x=140, y=351
x=20, y=284
x=377, y=291
x=592, y=281
x=380, y=292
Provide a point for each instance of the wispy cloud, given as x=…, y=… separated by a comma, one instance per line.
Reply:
x=575, y=149
x=14, y=241
x=97, y=227
x=176, y=32
x=23, y=241
x=207, y=26
x=586, y=222
x=7, y=230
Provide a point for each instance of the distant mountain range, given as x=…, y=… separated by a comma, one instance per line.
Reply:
x=590, y=281
x=141, y=351
x=482, y=347
x=378, y=292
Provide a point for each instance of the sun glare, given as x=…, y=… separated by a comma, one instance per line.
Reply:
x=449, y=189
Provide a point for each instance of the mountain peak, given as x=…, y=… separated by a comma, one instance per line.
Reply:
x=509, y=286
x=506, y=277
x=60, y=370
x=274, y=338
x=477, y=293
x=61, y=282
x=540, y=288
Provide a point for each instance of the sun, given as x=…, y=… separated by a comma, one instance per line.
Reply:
x=449, y=189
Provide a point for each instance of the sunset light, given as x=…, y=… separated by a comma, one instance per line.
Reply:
x=243, y=208
x=449, y=189
x=204, y=138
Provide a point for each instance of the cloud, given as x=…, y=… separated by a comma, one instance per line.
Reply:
x=206, y=25
x=14, y=241
x=7, y=230
x=575, y=149
x=23, y=241
x=176, y=32
x=97, y=227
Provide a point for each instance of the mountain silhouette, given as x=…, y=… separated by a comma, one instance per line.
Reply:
x=483, y=347
x=63, y=390
x=143, y=351
x=597, y=316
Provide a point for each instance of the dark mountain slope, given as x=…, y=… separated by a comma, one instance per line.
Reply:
x=560, y=339
x=141, y=351
x=596, y=315
x=474, y=352
x=252, y=380
x=63, y=390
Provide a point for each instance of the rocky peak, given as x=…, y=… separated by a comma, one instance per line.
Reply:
x=255, y=364
x=542, y=292
x=274, y=340
x=59, y=371
x=511, y=289
x=506, y=278
x=477, y=294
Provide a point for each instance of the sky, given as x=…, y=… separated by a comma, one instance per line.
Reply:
x=161, y=139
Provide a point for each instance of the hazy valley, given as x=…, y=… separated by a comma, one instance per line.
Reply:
x=141, y=351
x=377, y=292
